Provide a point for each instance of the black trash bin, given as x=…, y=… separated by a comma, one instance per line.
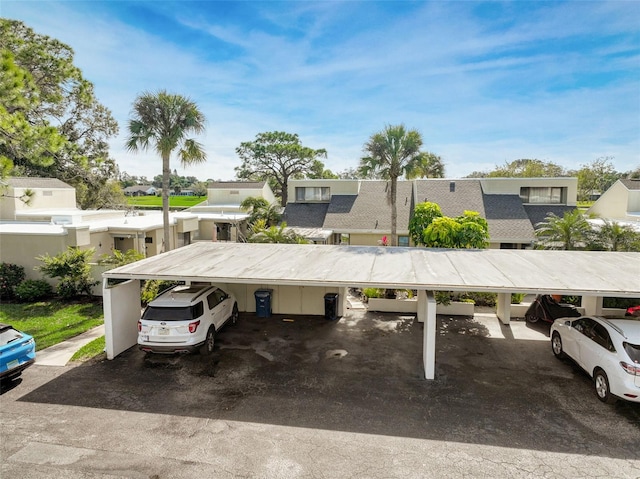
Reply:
x=331, y=306
x=263, y=302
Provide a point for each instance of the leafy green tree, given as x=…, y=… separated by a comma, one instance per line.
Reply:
x=275, y=157
x=428, y=165
x=523, y=168
x=199, y=188
x=596, y=177
x=72, y=269
x=423, y=216
x=473, y=232
x=51, y=122
x=163, y=121
x=391, y=154
x=569, y=232
x=428, y=227
x=261, y=233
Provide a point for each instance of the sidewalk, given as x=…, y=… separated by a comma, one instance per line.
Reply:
x=61, y=353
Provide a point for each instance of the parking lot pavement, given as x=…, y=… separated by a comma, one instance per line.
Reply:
x=309, y=398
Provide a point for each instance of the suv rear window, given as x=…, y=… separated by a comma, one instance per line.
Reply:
x=633, y=350
x=184, y=313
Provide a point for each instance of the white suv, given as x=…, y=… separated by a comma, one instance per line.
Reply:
x=607, y=349
x=185, y=318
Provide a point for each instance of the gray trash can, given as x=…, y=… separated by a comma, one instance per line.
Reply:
x=263, y=302
x=331, y=306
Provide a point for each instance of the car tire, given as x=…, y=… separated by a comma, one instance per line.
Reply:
x=209, y=342
x=234, y=314
x=530, y=318
x=556, y=346
x=601, y=386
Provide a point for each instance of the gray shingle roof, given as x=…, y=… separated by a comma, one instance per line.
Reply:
x=236, y=185
x=370, y=210
x=305, y=215
x=466, y=195
x=507, y=218
x=538, y=213
x=631, y=184
x=33, y=182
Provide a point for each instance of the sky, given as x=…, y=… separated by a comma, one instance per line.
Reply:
x=485, y=83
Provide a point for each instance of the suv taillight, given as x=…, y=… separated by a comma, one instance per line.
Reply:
x=633, y=369
x=194, y=326
x=139, y=326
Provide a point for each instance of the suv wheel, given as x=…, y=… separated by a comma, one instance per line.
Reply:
x=210, y=341
x=234, y=314
x=601, y=385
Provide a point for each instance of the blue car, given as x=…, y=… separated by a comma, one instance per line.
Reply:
x=17, y=352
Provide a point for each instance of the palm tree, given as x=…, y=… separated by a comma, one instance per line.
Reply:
x=428, y=165
x=391, y=153
x=259, y=208
x=617, y=237
x=163, y=120
x=567, y=233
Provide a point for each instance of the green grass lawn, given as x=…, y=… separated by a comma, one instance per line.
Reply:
x=91, y=350
x=51, y=322
x=174, y=201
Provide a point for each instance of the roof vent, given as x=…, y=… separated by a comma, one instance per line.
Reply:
x=452, y=186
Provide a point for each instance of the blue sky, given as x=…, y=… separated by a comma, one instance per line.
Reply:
x=484, y=83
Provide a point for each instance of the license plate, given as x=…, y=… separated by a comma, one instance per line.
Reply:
x=13, y=364
x=145, y=339
x=163, y=331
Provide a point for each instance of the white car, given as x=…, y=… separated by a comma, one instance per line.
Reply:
x=185, y=319
x=607, y=349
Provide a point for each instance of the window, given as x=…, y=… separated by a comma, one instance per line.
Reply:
x=601, y=336
x=215, y=298
x=340, y=238
x=313, y=193
x=543, y=195
x=234, y=192
x=184, y=313
x=403, y=241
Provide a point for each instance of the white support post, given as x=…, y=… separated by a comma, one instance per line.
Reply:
x=429, y=335
x=121, y=305
x=421, y=306
x=504, y=308
x=592, y=305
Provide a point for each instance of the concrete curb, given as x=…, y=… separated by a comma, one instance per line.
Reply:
x=61, y=353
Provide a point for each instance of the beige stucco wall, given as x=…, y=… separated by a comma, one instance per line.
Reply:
x=337, y=187
x=305, y=300
x=616, y=203
x=230, y=196
x=22, y=249
x=51, y=198
x=511, y=186
x=102, y=242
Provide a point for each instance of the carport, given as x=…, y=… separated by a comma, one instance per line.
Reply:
x=307, y=272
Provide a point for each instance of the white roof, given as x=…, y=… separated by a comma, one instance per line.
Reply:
x=528, y=271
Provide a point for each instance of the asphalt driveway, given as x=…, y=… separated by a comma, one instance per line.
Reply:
x=301, y=397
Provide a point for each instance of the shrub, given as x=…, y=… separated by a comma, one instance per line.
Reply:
x=118, y=258
x=72, y=268
x=33, y=290
x=373, y=292
x=153, y=288
x=622, y=303
x=11, y=275
x=516, y=298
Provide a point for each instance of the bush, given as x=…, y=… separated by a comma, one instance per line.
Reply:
x=622, y=303
x=11, y=275
x=153, y=288
x=73, y=269
x=33, y=290
x=373, y=292
x=516, y=298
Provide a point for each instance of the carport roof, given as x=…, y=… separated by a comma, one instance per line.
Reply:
x=593, y=273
